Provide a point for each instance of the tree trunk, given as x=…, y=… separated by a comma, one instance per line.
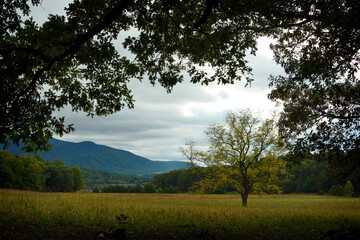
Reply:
x=244, y=197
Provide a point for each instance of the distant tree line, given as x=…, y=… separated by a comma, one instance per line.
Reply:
x=98, y=179
x=185, y=180
x=147, y=188
x=309, y=176
x=182, y=180
x=176, y=181
x=33, y=173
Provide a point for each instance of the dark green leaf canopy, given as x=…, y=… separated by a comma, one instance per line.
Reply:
x=321, y=92
x=71, y=59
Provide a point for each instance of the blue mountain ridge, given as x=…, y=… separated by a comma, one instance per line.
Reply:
x=90, y=155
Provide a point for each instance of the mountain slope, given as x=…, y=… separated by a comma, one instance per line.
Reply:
x=94, y=156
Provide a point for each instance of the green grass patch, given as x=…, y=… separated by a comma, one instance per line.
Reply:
x=34, y=215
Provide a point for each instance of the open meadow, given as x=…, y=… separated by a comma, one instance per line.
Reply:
x=36, y=215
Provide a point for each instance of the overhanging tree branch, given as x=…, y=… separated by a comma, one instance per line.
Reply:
x=112, y=14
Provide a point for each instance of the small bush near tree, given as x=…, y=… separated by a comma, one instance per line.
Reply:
x=115, y=189
x=337, y=190
x=170, y=189
x=349, y=189
x=149, y=188
x=321, y=192
x=137, y=189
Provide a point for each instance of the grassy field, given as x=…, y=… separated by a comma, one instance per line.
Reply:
x=35, y=215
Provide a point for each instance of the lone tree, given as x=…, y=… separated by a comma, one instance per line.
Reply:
x=243, y=155
x=71, y=60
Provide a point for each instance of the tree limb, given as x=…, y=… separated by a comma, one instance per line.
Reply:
x=109, y=18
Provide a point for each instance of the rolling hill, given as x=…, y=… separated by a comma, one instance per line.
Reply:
x=94, y=156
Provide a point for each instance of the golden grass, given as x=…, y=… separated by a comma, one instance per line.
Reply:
x=90, y=215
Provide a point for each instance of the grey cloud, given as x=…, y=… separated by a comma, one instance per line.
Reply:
x=157, y=127
x=151, y=133
x=263, y=66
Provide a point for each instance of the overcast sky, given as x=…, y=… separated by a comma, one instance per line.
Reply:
x=160, y=122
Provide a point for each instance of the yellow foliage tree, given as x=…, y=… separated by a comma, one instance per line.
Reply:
x=243, y=155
